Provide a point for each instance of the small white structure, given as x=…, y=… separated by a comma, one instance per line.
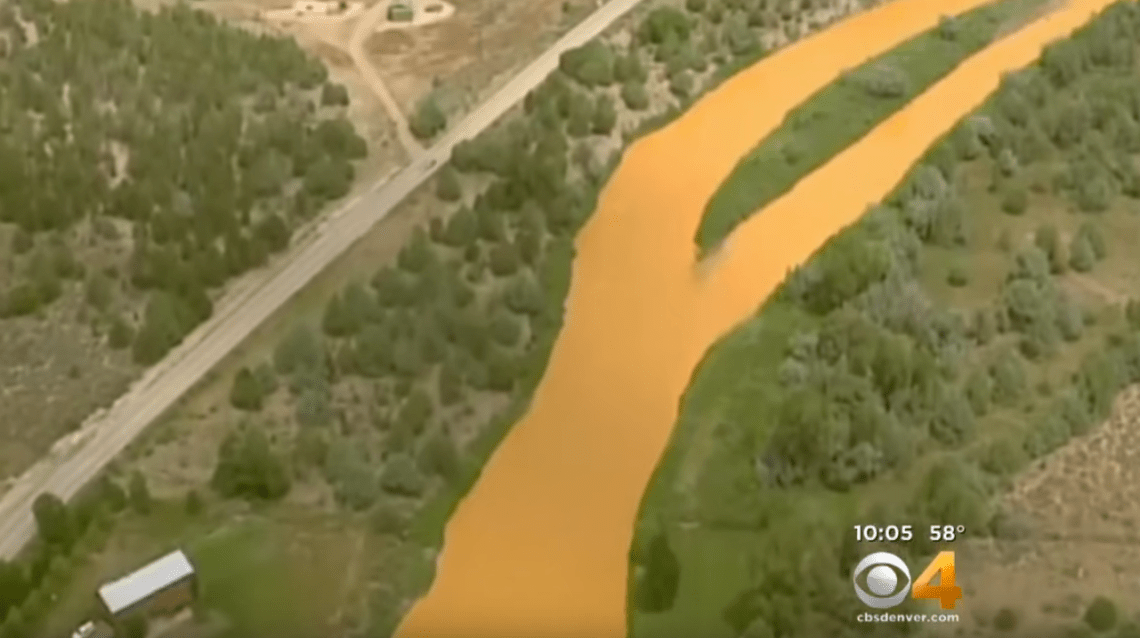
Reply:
x=163, y=586
x=317, y=10
x=92, y=629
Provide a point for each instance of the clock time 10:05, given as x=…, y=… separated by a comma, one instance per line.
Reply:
x=904, y=533
x=889, y=533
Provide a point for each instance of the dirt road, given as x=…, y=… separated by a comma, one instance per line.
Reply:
x=253, y=299
x=365, y=26
x=540, y=545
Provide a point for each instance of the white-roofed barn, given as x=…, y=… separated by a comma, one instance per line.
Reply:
x=161, y=587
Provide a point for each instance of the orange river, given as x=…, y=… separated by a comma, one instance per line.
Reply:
x=538, y=548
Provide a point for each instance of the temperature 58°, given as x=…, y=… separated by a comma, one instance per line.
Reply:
x=946, y=533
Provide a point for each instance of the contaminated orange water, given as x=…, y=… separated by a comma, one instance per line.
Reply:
x=539, y=547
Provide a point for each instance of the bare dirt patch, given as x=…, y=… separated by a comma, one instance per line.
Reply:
x=53, y=373
x=1075, y=524
x=469, y=55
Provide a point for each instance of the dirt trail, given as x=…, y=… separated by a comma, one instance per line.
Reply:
x=539, y=547
x=366, y=25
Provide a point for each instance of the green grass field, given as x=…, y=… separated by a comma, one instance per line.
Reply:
x=270, y=574
x=846, y=110
x=268, y=580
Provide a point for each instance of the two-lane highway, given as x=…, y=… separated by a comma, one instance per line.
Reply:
x=254, y=299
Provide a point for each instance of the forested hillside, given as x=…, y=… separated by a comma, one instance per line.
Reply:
x=145, y=159
x=975, y=321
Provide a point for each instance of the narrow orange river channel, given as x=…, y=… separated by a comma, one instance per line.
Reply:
x=538, y=549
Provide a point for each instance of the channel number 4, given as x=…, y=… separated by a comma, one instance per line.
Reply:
x=946, y=592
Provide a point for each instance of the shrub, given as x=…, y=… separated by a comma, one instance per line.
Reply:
x=949, y=28
x=665, y=23
x=591, y=64
x=53, y=520
x=635, y=96
x=505, y=329
x=504, y=259
x=247, y=467
x=353, y=479
x=1005, y=619
x=1004, y=241
x=1014, y=200
x=328, y=178
x=882, y=81
x=428, y=119
x=605, y=115
x=245, y=394
x=120, y=335
x=1091, y=233
x=447, y=185
x=414, y=414
x=266, y=379
x=440, y=456
x=387, y=520
x=1081, y=255
x=501, y=371
x=462, y=228
x=681, y=84
x=1101, y=614
x=450, y=385
x=979, y=389
x=333, y=94
x=581, y=116
x=415, y=256
x=1004, y=456
x=313, y=407
x=957, y=277
x=401, y=477
x=628, y=68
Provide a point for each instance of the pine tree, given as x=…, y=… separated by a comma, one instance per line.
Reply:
x=1081, y=256
x=246, y=391
x=447, y=185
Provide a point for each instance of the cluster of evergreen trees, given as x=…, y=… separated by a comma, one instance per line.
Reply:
x=188, y=129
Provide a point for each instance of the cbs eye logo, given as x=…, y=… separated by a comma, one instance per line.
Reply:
x=882, y=580
x=883, y=591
